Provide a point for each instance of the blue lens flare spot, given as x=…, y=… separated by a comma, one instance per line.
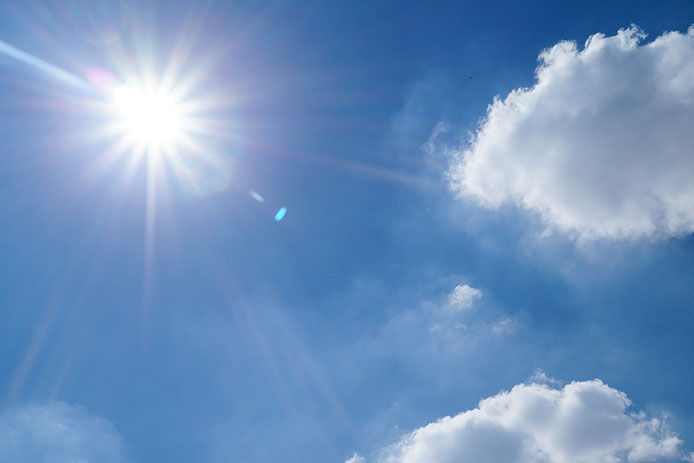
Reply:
x=280, y=214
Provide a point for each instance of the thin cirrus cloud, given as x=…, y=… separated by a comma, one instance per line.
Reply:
x=601, y=147
x=583, y=422
x=57, y=433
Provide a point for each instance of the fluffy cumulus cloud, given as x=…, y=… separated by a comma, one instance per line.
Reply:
x=601, y=146
x=583, y=422
x=463, y=297
x=57, y=433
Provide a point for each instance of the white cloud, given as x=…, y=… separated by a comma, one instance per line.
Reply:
x=463, y=297
x=57, y=433
x=356, y=458
x=601, y=146
x=540, y=377
x=584, y=422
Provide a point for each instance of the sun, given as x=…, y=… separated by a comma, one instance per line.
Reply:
x=176, y=127
x=149, y=118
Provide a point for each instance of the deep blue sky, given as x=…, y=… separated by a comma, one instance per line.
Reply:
x=304, y=340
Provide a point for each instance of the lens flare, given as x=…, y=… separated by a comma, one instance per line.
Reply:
x=280, y=214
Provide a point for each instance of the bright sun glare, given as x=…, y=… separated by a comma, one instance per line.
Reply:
x=148, y=117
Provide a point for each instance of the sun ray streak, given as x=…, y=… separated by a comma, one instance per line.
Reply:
x=44, y=66
x=33, y=350
x=150, y=210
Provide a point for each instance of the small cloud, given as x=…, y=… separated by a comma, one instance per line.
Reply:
x=356, y=458
x=463, y=297
x=540, y=377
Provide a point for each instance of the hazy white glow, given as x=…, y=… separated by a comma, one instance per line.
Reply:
x=149, y=117
x=168, y=121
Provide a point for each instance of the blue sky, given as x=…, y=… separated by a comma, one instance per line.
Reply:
x=476, y=210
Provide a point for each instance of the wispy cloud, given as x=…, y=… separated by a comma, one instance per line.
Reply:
x=356, y=458
x=57, y=433
x=447, y=324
